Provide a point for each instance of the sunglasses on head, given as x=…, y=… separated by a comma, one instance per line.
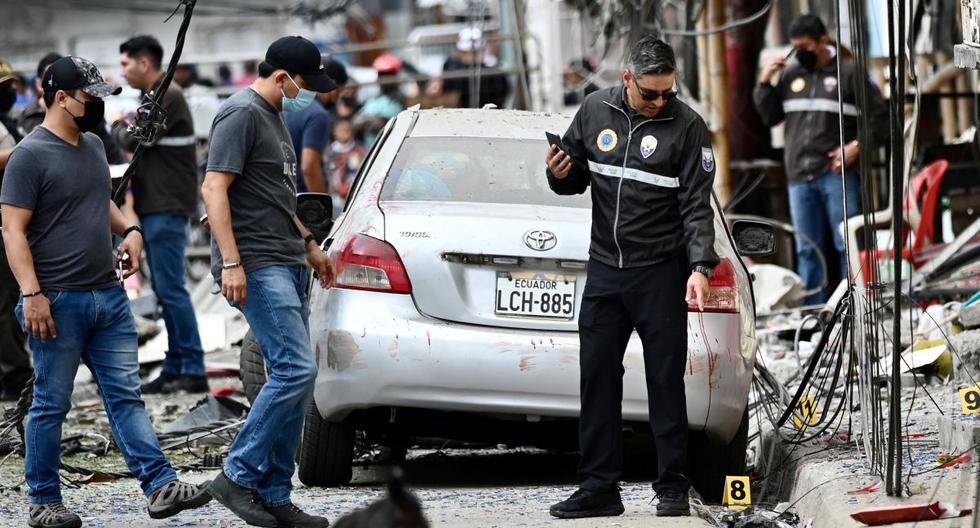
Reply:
x=650, y=95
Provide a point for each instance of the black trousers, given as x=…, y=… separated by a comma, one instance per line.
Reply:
x=15, y=363
x=616, y=301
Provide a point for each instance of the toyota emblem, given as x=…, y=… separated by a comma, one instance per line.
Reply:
x=540, y=240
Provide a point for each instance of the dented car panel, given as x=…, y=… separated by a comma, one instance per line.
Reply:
x=448, y=342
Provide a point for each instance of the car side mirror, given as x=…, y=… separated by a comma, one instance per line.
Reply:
x=315, y=210
x=754, y=239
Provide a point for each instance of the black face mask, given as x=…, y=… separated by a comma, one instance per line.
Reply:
x=8, y=96
x=806, y=58
x=94, y=113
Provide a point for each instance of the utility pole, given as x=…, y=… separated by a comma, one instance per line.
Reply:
x=718, y=88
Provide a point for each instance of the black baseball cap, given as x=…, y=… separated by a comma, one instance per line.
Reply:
x=76, y=73
x=336, y=70
x=299, y=56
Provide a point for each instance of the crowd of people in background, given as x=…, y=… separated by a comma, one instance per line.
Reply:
x=331, y=137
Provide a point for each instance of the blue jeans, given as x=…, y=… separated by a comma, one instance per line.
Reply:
x=278, y=310
x=96, y=327
x=165, y=238
x=817, y=210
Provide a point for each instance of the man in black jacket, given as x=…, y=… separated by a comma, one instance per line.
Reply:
x=808, y=98
x=649, y=162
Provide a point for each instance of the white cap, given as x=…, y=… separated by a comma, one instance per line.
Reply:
x=470, y=39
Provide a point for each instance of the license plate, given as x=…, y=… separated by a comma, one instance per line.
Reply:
x=535, y=294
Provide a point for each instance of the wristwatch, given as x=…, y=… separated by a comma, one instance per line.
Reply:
x=702, y=269
x=130, y=229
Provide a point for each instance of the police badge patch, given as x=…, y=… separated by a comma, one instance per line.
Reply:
x=707, y=159
x=606, y=140
x=647, y=145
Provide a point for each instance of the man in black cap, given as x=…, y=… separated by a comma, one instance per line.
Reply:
x=57, y=218
x=261, y=249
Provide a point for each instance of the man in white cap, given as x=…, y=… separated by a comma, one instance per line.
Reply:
x=482, y=84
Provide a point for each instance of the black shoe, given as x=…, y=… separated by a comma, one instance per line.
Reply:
x=290, y=516
x=589, y=503
x=673, y=503
x=159, y=385
x=241, y=501
x=192, y=384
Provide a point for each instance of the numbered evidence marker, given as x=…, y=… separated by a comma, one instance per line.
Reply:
x=806, y=412
x=970, y=400
x=737, y=493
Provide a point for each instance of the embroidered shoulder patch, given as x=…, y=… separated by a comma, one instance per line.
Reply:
x=707, y=159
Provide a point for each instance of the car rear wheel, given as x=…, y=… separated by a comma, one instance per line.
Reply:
x=710, y=463
x=326, y=452
x=251, y=367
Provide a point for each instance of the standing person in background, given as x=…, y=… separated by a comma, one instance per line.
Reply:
x=484, y=77
x=165, y=198
x=807, y=97
x=371, y=118
x=338, y=72
x=346, y=156
x=15, y=362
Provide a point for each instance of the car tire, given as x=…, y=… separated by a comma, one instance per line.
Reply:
x=251, y=367
x=710, y=463
x=326, y=451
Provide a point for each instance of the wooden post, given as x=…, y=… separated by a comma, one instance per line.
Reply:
x=947, y=106
x=718, y=88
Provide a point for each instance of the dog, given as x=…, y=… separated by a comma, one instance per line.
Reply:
x=400, y=509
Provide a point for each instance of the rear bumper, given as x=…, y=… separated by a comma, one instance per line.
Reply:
x=375, y=349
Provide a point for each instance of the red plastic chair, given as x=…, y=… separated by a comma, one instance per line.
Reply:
x=924, y=192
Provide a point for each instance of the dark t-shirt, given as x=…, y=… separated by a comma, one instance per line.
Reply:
x=67, y=188
x=309, y=128
x=165, y=180
x=249, y=138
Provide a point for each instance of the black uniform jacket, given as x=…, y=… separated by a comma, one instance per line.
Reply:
x=812, y=103
x=651, y=180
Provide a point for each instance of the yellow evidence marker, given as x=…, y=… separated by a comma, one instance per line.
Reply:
x=806, y=412
x=737, y=493
x=970, y=400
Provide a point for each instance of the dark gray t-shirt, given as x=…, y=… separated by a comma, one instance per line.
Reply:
x=249, y=138
x=68, y=189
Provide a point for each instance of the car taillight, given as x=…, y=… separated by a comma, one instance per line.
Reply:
x=366, y=263
x=723, y=297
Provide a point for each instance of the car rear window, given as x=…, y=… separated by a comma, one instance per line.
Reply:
x=481, y=170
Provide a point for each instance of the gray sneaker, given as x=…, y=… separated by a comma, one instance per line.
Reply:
x=52, y=515
x=174, y=497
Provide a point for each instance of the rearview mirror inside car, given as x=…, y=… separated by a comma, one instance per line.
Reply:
x=315, y=210
x=754, y=239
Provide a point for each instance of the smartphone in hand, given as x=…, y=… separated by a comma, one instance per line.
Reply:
x=555, y=139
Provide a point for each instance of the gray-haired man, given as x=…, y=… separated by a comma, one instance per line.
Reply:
x=648, y=158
